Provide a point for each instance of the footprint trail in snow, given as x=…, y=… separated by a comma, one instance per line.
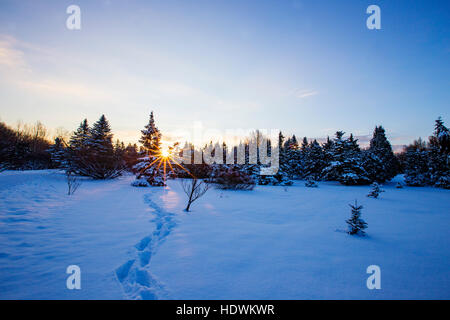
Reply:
x=135, y=275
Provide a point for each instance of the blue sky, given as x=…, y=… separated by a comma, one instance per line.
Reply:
x=306, y=67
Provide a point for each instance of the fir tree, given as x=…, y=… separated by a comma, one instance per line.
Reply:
x=283, y=176
x=80, y=136
x=429, y=164
x=151, y=137
x=416, y=164
x=149, y=170
x=439, y=156
x=101, y=161
x=310, y=183
x=376, y=190
x=58, y=154
x=356, y=225
x=313, y=160
x=382, y=153
x=346, y=162
x=293, y=161
x=131, y=155
x=77, y=151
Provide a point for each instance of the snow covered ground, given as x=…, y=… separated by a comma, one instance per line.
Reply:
x=269, y=243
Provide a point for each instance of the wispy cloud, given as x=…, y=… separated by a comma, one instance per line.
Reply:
x=11, y=57
x=15, y=63
x=305, y=93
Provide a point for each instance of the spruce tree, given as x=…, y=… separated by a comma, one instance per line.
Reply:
x=417, y=164
x=149, y=170
x=345, y=163
x=78, y=149
x=313, y=160
x=80, y=136
x=381, y=149
x=310, y=183
x=151, y=137
x=356, y=225
x=58, y=154
x=292, y=154
x=101, y=161
x=429, y=164
x=284, y=174
x=376, y=190
x=439, y=156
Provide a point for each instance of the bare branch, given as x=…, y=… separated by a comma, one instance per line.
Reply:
x=194, y=189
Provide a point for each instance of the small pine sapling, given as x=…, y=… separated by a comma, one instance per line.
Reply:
x=376, y=190
x=355, y=223
x=310, y=183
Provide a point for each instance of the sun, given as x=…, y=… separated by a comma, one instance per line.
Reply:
x=165, y=157
x=165, y=153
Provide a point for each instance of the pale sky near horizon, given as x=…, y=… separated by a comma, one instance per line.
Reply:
x=306, y=67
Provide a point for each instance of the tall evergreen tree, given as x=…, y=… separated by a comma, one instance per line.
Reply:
x=416, y=164
x=78, y=149
x=283, y=176
x=149, y=171
x=100, y=138
x=80, y=136
x=439, y=156
x=381, y=148
x=58, y=154
x=151, y=137
x=346, y=162
x=313, y=160
x=101, y=161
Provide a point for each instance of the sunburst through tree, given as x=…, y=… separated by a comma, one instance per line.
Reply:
x=156, y=162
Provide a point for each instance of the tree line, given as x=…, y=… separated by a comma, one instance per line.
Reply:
x=90, y=151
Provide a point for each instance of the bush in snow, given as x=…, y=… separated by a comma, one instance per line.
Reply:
x=142, y=182
x=376, y=190
x=232, y=177
x=443, y=182
x=310, y=183
x=399, y=185
x=148, y=170
x=278, y=179
x=356, y=225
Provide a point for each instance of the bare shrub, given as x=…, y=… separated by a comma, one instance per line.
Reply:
x=194, y=189
x=72, y=182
